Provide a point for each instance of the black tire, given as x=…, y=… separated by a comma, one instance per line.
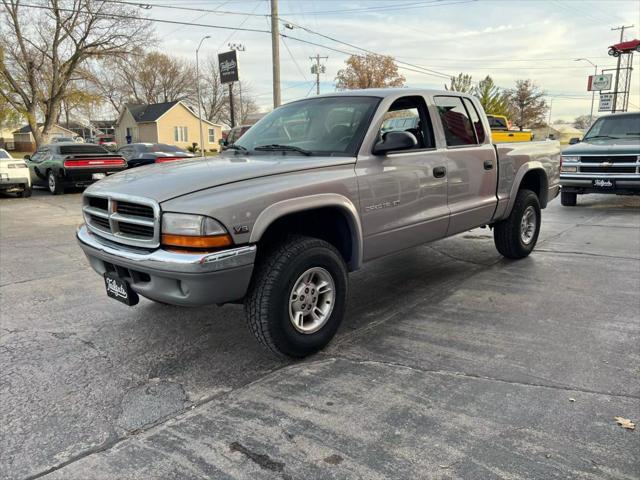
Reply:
x=507, y=234
x=53, y=183
x=267, y=302
x=26, y=192
x=568, y=199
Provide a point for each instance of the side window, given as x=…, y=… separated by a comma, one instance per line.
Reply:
x=455, y=121
x=409, y=114
x=475, y=119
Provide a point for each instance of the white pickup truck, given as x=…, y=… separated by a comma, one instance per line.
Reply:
x=311, y=192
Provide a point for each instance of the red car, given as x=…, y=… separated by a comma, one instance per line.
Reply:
x=624, y=47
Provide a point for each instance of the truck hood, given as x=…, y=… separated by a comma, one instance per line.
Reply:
x=605, y=146
x=165, y=181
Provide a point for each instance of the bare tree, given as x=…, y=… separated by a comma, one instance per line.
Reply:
x=214, y=95
x=44, y=50
x=369, y=71
x=528, y=103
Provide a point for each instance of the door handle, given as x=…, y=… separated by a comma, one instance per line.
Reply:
x=439, y=172
x=488, y=164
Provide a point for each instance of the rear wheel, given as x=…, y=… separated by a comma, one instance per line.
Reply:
x=516, y=236
x=26, y=192
x=54, y=184
x=297, y=296
x=568, y=199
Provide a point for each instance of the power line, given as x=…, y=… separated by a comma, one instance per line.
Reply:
x=134, y=17
x=149, y=6
x=405, y=6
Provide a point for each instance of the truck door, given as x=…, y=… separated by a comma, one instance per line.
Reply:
x=472, y=164
x=403, y=194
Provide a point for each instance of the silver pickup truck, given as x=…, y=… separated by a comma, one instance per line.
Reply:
x=308, y=194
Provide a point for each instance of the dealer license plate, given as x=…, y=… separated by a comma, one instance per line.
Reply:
x=603, y=183
x=98, y=176
x=120, y=289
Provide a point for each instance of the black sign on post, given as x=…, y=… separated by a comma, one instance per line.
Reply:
x=228, y=64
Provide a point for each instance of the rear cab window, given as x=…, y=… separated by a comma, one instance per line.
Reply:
x=475, y=119
x=80, y=149
x=456, y=122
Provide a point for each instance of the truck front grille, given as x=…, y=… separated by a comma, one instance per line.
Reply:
x=612, y=169
x=124, y=219
x=610, y=159
x=128, y=208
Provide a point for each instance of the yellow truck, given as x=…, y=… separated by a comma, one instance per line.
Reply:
x=500, y=132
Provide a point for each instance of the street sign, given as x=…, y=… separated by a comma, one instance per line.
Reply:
x=599, y=82
x=228, y=65
x=606, y=102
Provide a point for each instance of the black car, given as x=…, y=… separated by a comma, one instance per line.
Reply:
x=138, y=154
x=69, y=164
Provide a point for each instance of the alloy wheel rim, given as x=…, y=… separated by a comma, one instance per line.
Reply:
x=528, y=225
x=311, y=300
x=52, y=183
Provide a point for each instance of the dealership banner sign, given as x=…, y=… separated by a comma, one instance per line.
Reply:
x=228, y=65
x=606, y=102
x=599, y=82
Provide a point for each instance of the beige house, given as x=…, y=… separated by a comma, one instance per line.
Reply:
x=23, y=140
x=171, y=122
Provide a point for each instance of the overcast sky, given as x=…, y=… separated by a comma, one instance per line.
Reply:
x=509, y=40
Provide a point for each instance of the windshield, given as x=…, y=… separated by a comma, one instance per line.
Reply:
x=4, y=154
x=622, y=126
x=327, y=126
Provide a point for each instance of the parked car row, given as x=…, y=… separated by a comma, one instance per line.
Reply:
x=62, y=165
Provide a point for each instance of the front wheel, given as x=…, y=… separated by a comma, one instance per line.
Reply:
x=53, y=182
x=516, y=236
x=297, y=296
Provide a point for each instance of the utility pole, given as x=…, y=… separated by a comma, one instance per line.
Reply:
x=317, y=69
x=238, y=47
x=275, y=52
x=622, y=28
x=202, y=151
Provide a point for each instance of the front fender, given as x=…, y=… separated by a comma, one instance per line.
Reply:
x=322, y=200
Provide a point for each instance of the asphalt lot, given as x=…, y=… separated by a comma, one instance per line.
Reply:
x=453, y=363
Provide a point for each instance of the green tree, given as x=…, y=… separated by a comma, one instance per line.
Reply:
x=369, y=71
x=493, y=100
x=462, y=83
x=529, y=105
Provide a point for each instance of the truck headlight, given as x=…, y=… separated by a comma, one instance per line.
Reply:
x=570, y=158
x=565, y=169
x=193, y=231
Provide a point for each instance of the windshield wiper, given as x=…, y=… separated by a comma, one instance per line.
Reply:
x=602, y=136
x=633, y=133
x=274, y=147
x=240, y=148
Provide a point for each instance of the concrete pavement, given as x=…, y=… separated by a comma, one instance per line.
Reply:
x=452, y=363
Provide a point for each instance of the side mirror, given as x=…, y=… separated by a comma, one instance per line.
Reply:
x=27, y=157
x=395, y=140
x=574, y=140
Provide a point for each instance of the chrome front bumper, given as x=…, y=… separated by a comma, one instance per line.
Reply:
x=176, y=278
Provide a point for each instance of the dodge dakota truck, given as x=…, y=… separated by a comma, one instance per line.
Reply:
x=607, y=160
x=310, y=193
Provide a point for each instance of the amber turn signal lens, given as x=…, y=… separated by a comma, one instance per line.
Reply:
x=189, y=241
